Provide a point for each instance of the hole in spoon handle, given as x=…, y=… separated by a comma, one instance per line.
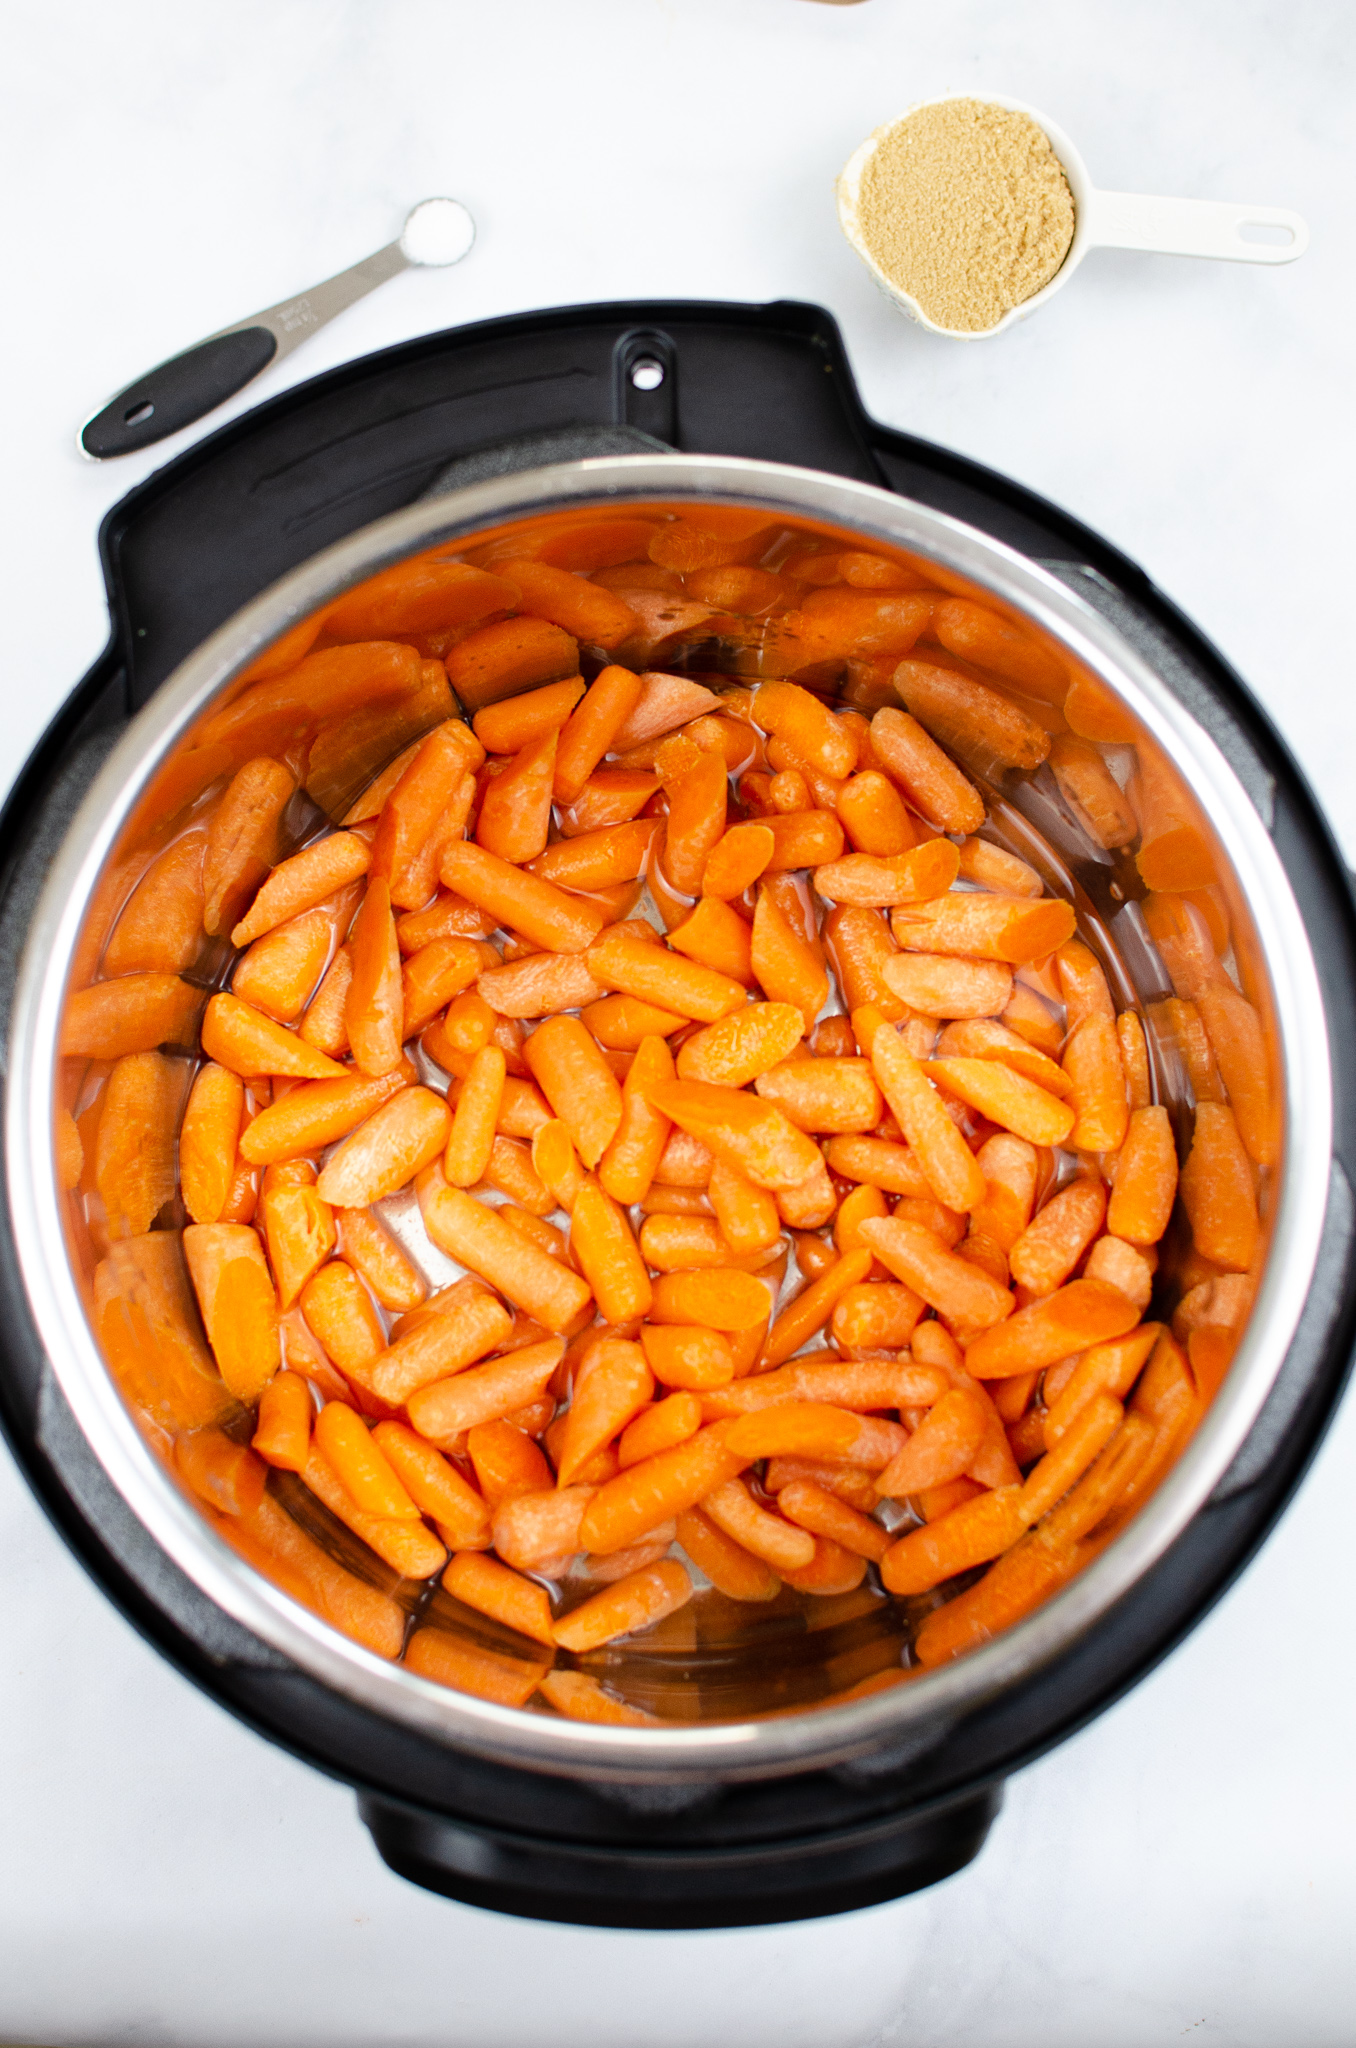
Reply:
x=1195, y=227
x=178, y=392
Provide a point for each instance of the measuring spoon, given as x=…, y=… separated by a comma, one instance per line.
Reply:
x=1102, y=220
x=436, y=232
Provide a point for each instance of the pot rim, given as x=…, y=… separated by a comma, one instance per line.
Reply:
x=910, y=1717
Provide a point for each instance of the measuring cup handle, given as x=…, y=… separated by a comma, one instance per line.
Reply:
x=1192, y=227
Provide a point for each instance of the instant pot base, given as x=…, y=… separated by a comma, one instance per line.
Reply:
x=181, y=554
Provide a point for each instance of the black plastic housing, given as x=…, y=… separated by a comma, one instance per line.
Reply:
x=213, y=528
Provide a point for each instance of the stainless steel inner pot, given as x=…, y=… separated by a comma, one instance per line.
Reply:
x=902, y=1716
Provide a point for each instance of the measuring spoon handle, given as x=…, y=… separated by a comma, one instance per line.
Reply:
x=1192, y=227
x=181, y=390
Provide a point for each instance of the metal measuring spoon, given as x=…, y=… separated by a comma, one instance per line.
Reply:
x=436, y=232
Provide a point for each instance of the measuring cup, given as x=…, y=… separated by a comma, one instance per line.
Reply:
x=1102, y=220
x=436, y=232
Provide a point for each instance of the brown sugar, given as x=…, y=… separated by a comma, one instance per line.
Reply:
x=965, y=206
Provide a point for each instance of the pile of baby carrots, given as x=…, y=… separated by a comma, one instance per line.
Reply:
x=621, y=996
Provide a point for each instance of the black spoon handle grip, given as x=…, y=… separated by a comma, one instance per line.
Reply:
x=178, y=392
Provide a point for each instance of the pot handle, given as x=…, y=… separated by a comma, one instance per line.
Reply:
x=1194, y=227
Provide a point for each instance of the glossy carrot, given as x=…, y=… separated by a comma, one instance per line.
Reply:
x=685, y=1162
x=1077, y=1315
x=738, y=1048
x=946, y=1159
x=506, y=1462
x=879, y=1163
x=752, y=1136
x=804, y=839
x=1008, y=928
x=159, y=929
x=357, y=1461
x=544, y=914
x=635, y=1602
x=1047, y=1251
x=655, y=1490
x=767, y=1536
x=239, y=1307
x=556, y=1162
x=942, y=1448
x=483, y=1393
x=971, y=719
x=453, y=1331
x=932, y=783
x=242, y=840
x=713, y=935
x=322, y=1024
x=880, y=1316
x=449, y=1660
x=280, y=971
x=515, y=811
x=813, y=1307
x=747, y=1216
x=448, y=916
x=339, y=1313
x=1092, y=1063
x=577, y=1082
x=208, y=1138
x=1032, y=1019
x=386, y=1151
x=627, y=1167
x=247, y=1042
x=824, y=1096
x=606, y=1250
x=299, y=884
x=918, y=875
x=657, y=976
x=859, y=943
x=995, y=868
x=509, y=655
x=1087, y=1435
x=471, y=1139
x=1237, y=1040
x=737, y=860
x=1217, y=1190
x=593, y=728
x=540, y=1532
x=938, y=985
x=952, y=1285
x=376, y=1256
x=696, y=822
x=516, y=722
x=660, y=1427
x=874, y=815
x=433, y=977
x=580, y=1698
x=1146, y=1179
x=373, y=1007
x=731, y=1568
x=505, y=1595
x=823, y=1514
x=718, y=1298
x=620, y=1023
x=477, y=1239
x=690, y=1358
x=618, y=1385
x=968, y=1536
x=813, y=1429
x=298, y=1226
x=135, y=1013
x=318, y=1113
x=788, y=969
x=1103, y=1369
x=151, y=1336
x=224, y=1474
x=282, y=1435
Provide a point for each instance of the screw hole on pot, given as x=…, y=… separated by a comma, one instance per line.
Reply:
x=647, y=374
x=135, y=415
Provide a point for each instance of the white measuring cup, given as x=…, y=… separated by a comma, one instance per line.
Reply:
x=1102, y=220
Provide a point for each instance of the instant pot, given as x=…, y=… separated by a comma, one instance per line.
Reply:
x=737, y=1821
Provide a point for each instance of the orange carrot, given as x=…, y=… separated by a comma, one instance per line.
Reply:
x=242, y=840
x=690, y=1358
x=514, y=723
x=483, y=1393
x=578, y=1084
x=627, y=1167
x=339, y=1313
x=208, y=1139
x=1047, y=1251
x=224, y=1474
x=282, y=1435
x=813, y=1429
x=374, y=1254
x=880, y=1316
x=747, y=1216
x=1217, y=1190
x=436, y=1487
x=824, y=1095
x=942, y=1448
x=659, y=1427
x=946, y=1159
x=602, y=1242
x=731, y=1568
x=544, y=914
x=740, y=1047
x=299, y=884
x=879, y=1163
x=1146, y=1179
x=751, y=1136
x=580, y=1698
x=386, y=1152
x=656, y=1489
x=463, y=1666
x=593, y=728
x=250, y=1044
x=719, y=1299
x=968, y=1536
x=318, y=1114
x=635, y=1602
x=472, y=1137
x=159, y=929
x=952, y=1285
x=239, y=1307
x=494, y=1589
x=939, y=986
x=510, y=655
x=298, y=1226
x=540, y=1532
x=1078, y=1314
x=136, y=1013
x=657, y=976
x=823, y=1514
x=478, y=1239
x=927, y=777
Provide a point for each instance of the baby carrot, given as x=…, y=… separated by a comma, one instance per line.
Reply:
x=1009, y=928
x=655, y=1490
x=1086, y=1436
x=385, y=1153
x=299, y=884
x=1047, y=1251
x=242, y=840
x=374, y=1254
x=471, y=1140
x=627, y=1168
x=298, y=1226
x=239, y=1037
x=346, y=1445
x=452, y=1332
x=317, y=1114
x=824, y=1095
x=506, y=1462
x=339, y=1313
x=930, y=780
x=159, y=929
x=718, y=1298
x=505, y=1595
x=1146, y=1179
x=577, y=1082
x=515, y=811
x=952, y=1285
x=1103, y=1369
x=1078, y=1314
x=813, y=1429
x=635, y=1602
x=696, y=822
x=994, y=868
x=823, y=1514
x=739, y=1048
x=432, y=977
x=939, y=986
x=463, y=1666
x=878, y=881
x=1217, y=1190
x=804, y=839
x=208, y=1138
x=279, y=971
x=544, y=914
x=1236, y=1038
x=831, y=1571
x=593, y=728
x=713, y=935
x=580, y=1698
x=812, y=1308
x=788, y=969
x=769, y=1536
x=968, y=1536
x=617, y=1386
x=224, y=1474
x=657, y=976
x=747, y=1216
x=540, y=984
x=282, y=1435
x=483, y=1393
x=689, y=1358
x=602, y=1243
x=731, y=1568
x=752, y=1136
x=540, y=1532
x=941, y=1449
x=437, y=1488
x=622, y=1022
x=478, y=1239
x=660, y=1427
x=1032, y=1019
x=239, y=1307
x=946, y=1159
x=873, y=813
x=984, y=637
x=878, y=1317
x=737, y=860
x=509, y=655
x=373, y=1007
x=596, y=860
x=136, y=1013
x=556, y=1162
x=1092, y=1063
x=514, y=723
x=879, y=1163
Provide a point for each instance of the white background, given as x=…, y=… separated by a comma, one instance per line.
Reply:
x=1186, y=1866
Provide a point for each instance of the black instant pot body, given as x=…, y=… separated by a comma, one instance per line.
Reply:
x=225, y=520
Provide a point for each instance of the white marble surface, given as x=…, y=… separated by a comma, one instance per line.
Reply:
x=1184, y=1867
